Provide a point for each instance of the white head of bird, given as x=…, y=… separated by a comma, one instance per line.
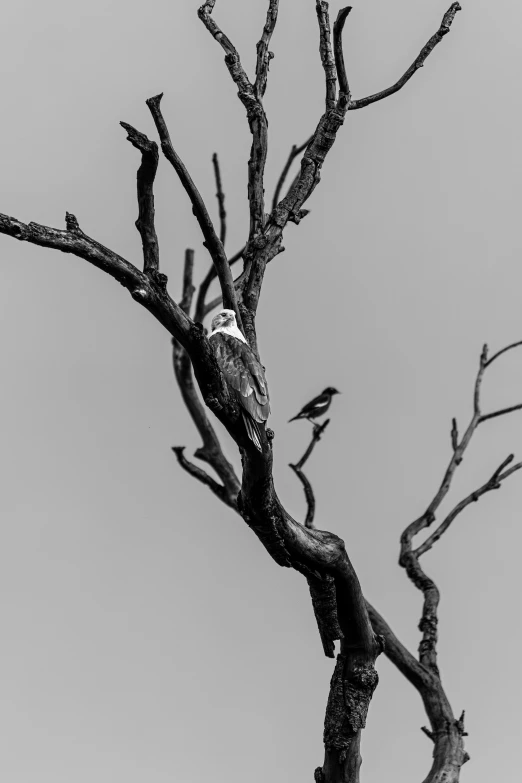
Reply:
x=225, y=321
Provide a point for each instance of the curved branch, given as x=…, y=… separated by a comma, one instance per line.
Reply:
x=444, y=28
x=503, y=350
x=298, y=470
x=409, y=559
x=493, y=483
x=211, y=451
x=344, y=88
x=149, y=292
x=218, y=489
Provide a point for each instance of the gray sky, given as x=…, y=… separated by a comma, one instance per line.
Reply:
x=146, y=635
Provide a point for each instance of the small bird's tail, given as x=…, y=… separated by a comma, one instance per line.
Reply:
x=253, y=430
x=295, y=417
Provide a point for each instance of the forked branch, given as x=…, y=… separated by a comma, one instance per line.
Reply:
x=443, y=30
x=250, y=96
x=212, y=241
x=298, y=470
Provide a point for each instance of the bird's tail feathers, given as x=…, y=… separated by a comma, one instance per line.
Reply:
x=299, y=416
x=253, y=430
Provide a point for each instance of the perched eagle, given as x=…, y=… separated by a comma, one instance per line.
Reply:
x=317, y=406
x=242, y=372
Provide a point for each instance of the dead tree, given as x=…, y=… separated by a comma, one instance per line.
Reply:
x=341, y=611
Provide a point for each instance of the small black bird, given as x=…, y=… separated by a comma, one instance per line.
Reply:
x=317, y=406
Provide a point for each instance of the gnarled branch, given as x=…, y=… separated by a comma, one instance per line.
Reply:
x=145, y=182
x=263, y=55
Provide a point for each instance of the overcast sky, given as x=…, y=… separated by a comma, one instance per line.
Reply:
x=146, y=634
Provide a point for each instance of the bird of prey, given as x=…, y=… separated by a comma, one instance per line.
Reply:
x=317, y=406
x=242, y=372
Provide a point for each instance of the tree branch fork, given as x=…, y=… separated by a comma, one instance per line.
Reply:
x=320, y=556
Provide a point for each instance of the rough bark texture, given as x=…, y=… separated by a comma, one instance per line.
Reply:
x=341, y=610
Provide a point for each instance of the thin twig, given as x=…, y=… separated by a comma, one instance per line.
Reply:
x=188, y=288
x=325, y=50
x=444, y=28
x=493, y=483
x=201, y=308
x=212, y=241
x=298, y=470
x=501, y=412
x=202, y=476
x=478, y=381
x=503, y=350
x=454, y=434
x=294, y=152
x=145, y=182
x=263, y=55
x=221, y=200
x=238, y=283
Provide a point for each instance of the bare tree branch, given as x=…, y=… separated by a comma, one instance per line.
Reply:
x=325, y=50
x=398, y=654
x=255, y=113
x=502, y=412
x=454, y=435
x=344, y=88
x=211, y=275
x=298, y=470
x=150, y=293
x=444, y=28
x=493, y=483
x=216, y=302
x=478, y=381
x=211, y=451
x=221, y=200
x=263, y=55
x=145, y=181
x=318, y=554
x=294, y=152
x=409, y=558
x=212, y=241
x=188, y=288
x=196, y=472
x=503, y=350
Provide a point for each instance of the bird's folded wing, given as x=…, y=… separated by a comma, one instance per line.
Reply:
x=243, y=373
x=317, y=404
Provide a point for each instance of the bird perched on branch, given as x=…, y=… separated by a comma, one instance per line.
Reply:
x=242, y=372
x=317, y=406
